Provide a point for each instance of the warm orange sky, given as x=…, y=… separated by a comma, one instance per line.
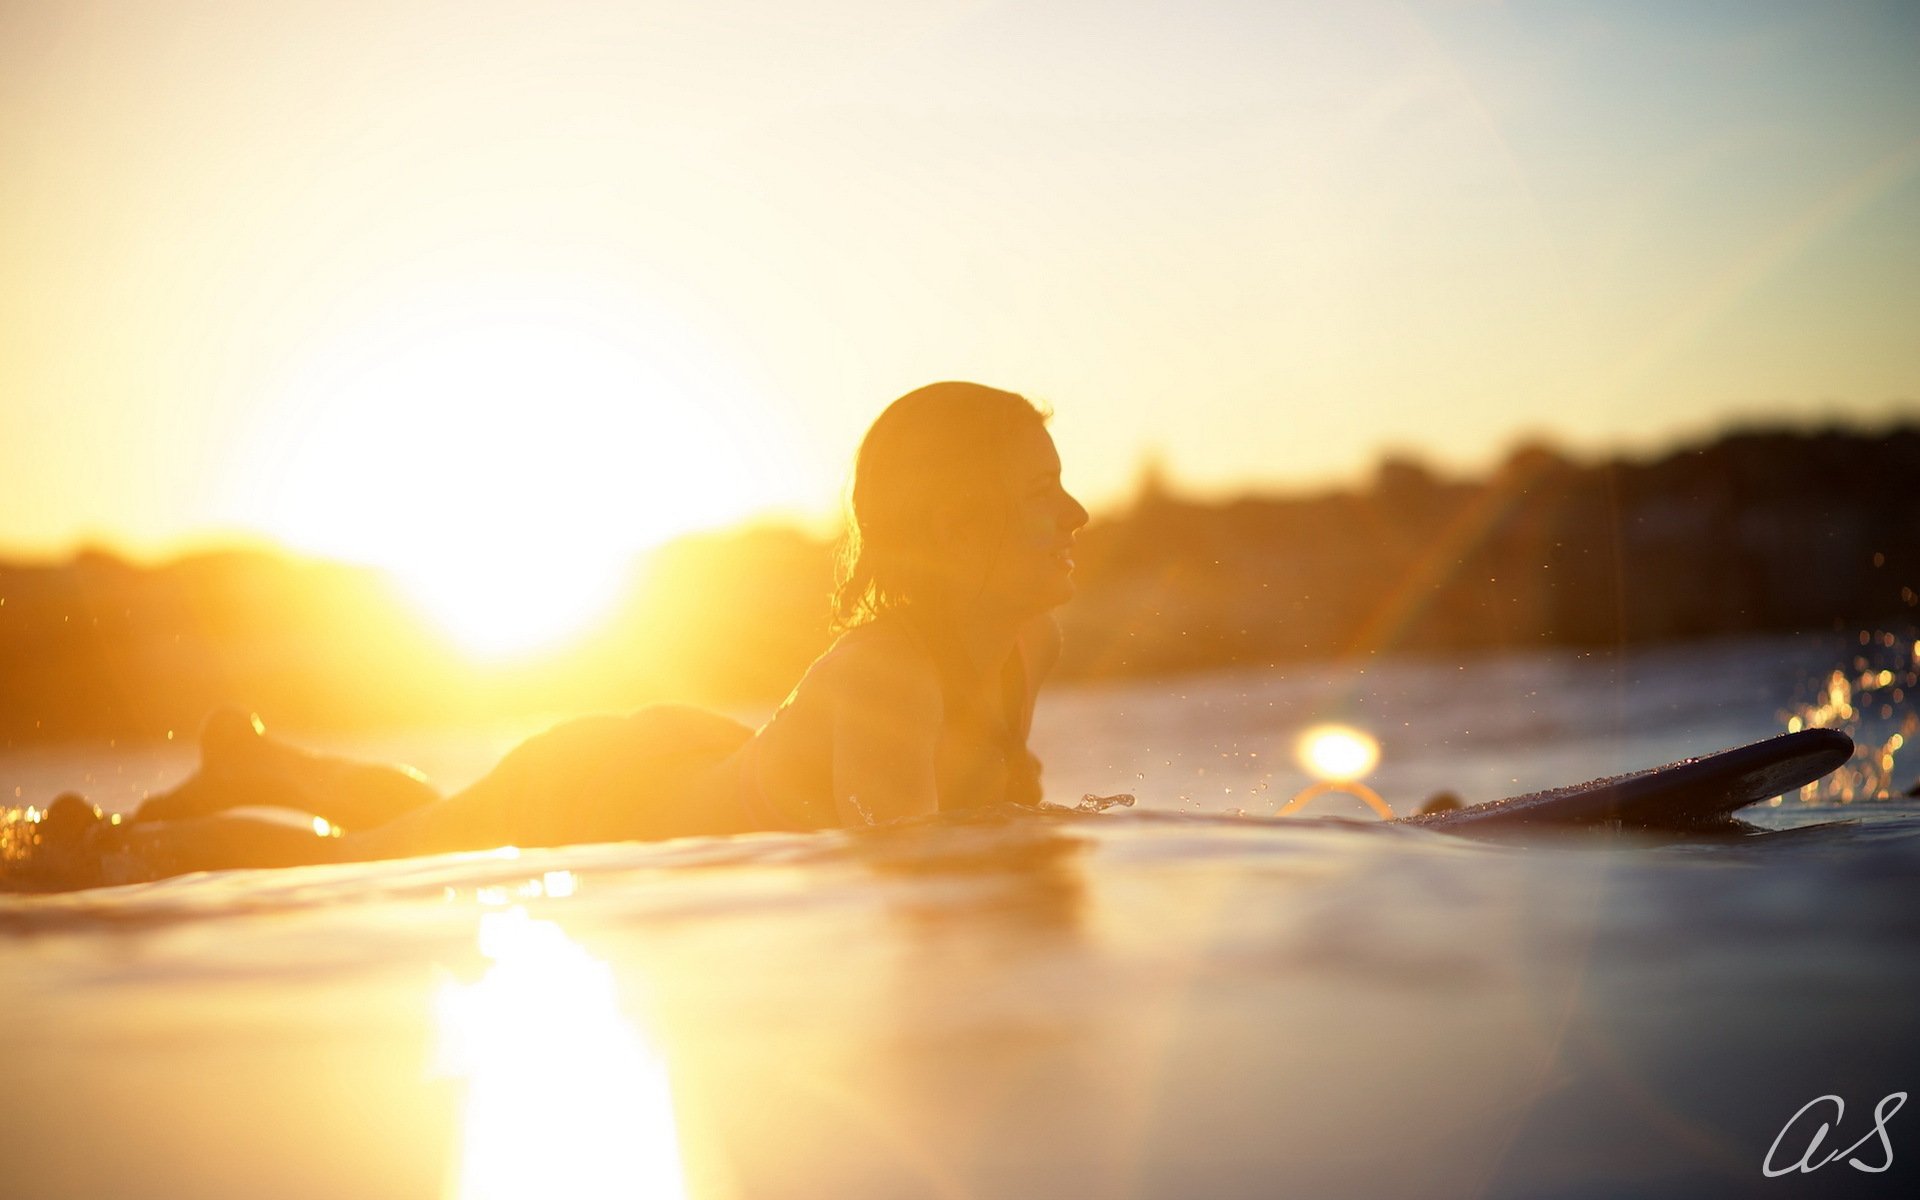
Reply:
x=418, y=281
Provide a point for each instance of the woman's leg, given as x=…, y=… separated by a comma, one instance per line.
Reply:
x=155, y=850
x=241, y=766
x=595, y=779
x=553, y=789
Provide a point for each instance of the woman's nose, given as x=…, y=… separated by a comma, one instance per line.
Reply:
x=1076, y=516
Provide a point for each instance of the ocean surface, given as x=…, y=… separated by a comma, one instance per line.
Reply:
x=1185, y=998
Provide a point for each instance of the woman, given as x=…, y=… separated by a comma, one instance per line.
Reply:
x=958, y=549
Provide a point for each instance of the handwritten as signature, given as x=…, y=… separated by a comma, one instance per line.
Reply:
x=1881, y=1114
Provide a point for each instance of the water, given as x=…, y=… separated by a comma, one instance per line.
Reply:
x=1165, y=1001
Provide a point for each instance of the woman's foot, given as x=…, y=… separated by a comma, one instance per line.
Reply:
x=242, y=766
x=229, y=738
x=239, y=766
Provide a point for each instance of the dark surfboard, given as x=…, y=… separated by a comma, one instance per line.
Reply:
x=1696, y=793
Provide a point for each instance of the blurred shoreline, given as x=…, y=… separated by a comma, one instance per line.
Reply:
x=1757, y=532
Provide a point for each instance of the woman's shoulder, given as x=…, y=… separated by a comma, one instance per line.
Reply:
x=878, y=661
x=879, y=653
x=883, y=650
x=886, y=661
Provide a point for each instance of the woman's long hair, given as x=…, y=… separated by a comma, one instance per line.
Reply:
x=935, y=448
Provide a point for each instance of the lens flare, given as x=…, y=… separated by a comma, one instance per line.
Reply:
x=1337, y=753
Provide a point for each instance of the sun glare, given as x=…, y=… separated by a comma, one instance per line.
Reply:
x=1337, y=753
x=563, y=1096
x=507, y=470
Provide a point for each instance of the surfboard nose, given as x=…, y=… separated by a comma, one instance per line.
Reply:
x=1797, y=759
x=1823, y=750
x=1694, y=793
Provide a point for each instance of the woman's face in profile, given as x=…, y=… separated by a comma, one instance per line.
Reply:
x=1029, y=568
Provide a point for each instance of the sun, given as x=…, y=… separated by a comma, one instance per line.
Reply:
x=506, y=468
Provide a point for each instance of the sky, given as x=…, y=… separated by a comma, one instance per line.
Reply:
x=421, y=283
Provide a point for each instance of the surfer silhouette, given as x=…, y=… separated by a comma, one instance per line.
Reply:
x=958, y=549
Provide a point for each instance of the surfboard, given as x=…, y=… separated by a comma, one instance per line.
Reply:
x=1695, y=793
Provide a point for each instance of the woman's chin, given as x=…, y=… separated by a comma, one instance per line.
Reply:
x=1061, y=592
x=1041, y=593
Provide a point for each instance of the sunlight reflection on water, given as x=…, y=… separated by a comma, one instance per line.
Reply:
x=564, y=1097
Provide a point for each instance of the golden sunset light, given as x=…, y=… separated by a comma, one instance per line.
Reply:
x=711, y=599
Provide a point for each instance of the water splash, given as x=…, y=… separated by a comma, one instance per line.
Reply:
x=1872, y=700
x=1090, y=803
x=18, y=834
